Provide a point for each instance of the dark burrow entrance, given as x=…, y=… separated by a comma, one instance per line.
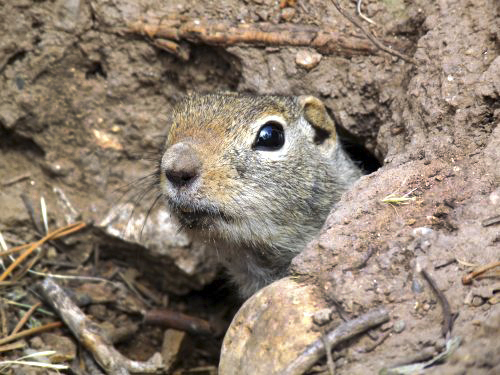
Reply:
x=353, y=146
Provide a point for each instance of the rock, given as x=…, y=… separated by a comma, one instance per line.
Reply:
x=416, y=286
x=322, y=316
x=307, y=59
x=71, y=15
x=422, y=231
x=64, y=347
x=172, y=341
x=271, y=329
x=37, y=343
x=287, y=14
x=399, y=326
x=490, y=86
x=172, y=261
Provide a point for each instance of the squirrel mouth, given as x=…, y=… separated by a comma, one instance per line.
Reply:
x=197, y=216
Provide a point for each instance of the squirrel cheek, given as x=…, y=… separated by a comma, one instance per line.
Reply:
x=219, y=185
x=241, y=170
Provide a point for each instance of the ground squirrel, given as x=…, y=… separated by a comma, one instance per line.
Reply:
x=256, y=176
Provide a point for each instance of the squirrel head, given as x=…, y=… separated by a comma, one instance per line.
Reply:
x=255, y=171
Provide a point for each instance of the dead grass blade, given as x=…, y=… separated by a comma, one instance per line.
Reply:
x=29, y=248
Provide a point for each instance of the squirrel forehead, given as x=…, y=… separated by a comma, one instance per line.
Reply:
x=224, y=115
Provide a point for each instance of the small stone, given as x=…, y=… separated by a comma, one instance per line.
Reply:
x=340, y=362
x=477, y=301
x=57, y=168
x=37, y=342
x=172, y=342
x=468, y=298
x=287, y=14
x=51, y=253
x=395, y=129
x=411, y=221
x=386, y=326
x=322, y=316
x=325, y=89
x=307, y=59
x=107, y=140
x=262, y=14
x=399, y=326
x=425, y=245
x=421, y=231
x=416, y=286
x=495, y=197
x=440, y=345
x=64, y=347
x=494, y=300
x=432, y=219
x=99, y=312
x=439, y=177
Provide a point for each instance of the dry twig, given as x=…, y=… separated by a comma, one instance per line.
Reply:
x=445, y=263
x=479, y=271
x=29, y=248
x=92, y=336
x=182, y=322
x=358, y=10
x=26, y=306
x=167, y=34
x=418, y=368
x=24, y=361
x=28, y=204
x=377, y=343
x=448, y=317
x=29, y=332
x=491, y=221
x=329, y=357
x=465, y=263
x=361, y=263
x=372, y=37
x=25, y=318
x=13, y=346
x=343, y=332
x=16, y=179
x=3, y=320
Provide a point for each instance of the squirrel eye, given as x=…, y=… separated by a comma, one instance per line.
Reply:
x=270, y=137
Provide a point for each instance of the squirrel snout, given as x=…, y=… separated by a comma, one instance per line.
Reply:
x=181, y=165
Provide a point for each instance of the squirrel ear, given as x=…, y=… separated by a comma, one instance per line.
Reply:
x=314, y=112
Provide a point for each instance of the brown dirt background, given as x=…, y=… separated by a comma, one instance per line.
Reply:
x=83, y=109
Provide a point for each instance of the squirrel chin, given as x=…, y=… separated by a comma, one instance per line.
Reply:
x=198, y=217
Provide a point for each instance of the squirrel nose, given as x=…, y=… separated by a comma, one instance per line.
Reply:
x=181, y=165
